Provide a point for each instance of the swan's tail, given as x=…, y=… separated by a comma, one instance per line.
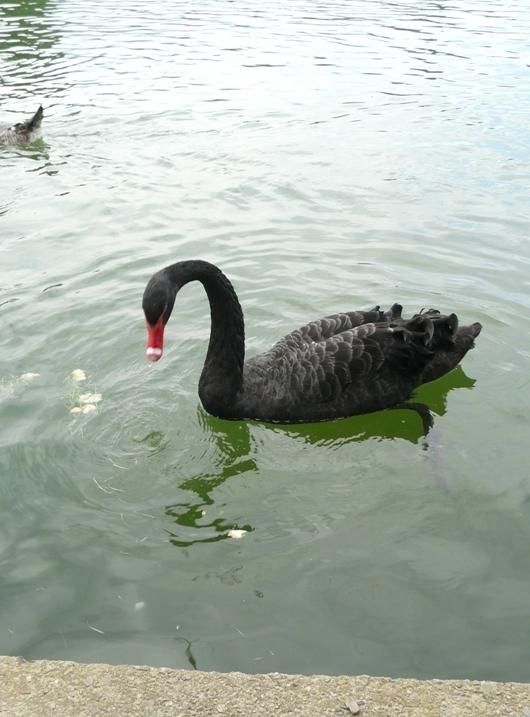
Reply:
x=465, y=338
x=454, y=342
x=474, y=330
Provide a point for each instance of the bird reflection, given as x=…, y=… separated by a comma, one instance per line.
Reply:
x=389, y=424
x=234, y=445
x=38, y=151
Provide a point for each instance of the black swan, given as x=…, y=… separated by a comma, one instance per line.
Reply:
x=21, y=131
x=345, y=364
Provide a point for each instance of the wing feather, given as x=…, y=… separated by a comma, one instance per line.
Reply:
x=334, y=324
x=318, y=363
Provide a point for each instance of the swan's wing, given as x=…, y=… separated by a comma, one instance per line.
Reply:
x=376, y=356
x=383, y=351
x=329, y=326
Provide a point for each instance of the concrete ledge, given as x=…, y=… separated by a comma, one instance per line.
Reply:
x=65, y=689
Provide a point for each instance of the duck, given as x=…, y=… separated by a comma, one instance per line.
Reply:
x=21, y=132
x=348, y=363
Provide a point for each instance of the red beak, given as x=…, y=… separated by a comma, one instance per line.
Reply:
x=155, y=341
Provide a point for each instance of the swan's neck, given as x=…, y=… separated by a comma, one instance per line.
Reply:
x=222, y=375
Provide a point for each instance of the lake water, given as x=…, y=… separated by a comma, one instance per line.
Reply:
x=328, y=156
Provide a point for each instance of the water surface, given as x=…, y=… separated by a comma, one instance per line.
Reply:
x=328, y=156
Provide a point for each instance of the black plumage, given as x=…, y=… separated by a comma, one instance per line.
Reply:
x=341, y=365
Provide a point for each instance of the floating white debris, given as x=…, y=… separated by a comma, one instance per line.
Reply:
x=237, y=534
x=29, y=376
x=89, y=398
x=139, y=605
x=84, y=402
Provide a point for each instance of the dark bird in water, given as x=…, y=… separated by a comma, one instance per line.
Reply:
x=345, y=364
x=21, y=131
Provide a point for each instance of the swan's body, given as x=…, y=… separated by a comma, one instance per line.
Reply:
x=345, y=364
x=21, y=132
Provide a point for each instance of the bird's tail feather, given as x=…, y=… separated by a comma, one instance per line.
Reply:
x=33, y=123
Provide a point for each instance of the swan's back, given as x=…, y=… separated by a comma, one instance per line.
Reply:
x=353, y=362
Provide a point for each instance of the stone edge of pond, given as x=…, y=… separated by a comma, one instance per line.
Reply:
x=43, y=687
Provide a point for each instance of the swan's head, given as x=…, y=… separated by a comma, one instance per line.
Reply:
x=158, y=300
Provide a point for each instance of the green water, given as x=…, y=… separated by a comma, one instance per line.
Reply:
x=328, y=156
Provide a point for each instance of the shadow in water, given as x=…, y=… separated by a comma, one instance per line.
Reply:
x=234, y=446
x=37, y=151
x=233, y=443
x=389, y=424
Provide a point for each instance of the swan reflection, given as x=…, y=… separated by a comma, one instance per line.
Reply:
x=236, y=455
